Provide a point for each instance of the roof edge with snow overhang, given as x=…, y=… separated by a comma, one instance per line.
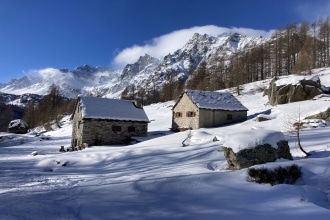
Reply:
x=213, y=100
x=111, y=109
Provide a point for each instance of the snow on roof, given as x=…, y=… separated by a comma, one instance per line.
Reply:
x=215, y=100
x=114, y=109
x=250, y=138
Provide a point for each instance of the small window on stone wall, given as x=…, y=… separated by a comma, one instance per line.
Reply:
x=131, y=129
x=191, y=114
x=229, y=117
x=178, y=114
x=116, y=128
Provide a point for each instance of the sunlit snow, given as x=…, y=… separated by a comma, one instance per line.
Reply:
x=157, y=178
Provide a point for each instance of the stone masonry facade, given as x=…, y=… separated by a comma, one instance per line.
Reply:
x=103, y=132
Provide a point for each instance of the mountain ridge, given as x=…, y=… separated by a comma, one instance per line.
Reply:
x=145, y=75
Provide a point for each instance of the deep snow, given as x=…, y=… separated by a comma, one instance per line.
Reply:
x=157, y=178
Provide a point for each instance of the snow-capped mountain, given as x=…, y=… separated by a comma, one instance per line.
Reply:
x=185, y=60
x=179, y=65
x=72, y=83
x=147, y=73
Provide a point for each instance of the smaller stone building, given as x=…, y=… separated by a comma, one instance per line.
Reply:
x=102, y=121
x=201, y=109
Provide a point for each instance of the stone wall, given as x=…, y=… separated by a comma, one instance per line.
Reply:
x=76, y=127
x=102, y=132
x=213, y=118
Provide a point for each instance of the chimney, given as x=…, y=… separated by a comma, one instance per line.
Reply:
x=138, y=104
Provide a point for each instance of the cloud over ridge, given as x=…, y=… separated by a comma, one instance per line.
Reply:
x=168, y=43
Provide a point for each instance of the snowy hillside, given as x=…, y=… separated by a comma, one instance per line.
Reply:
x=157, y=178
x=147, y=73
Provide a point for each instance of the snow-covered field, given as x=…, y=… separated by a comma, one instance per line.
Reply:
x=157, y=178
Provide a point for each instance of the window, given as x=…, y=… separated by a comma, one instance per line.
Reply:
x=131, y=129
x=191, y=114
x=178, y=114
x=116, y=128
x=229, y=117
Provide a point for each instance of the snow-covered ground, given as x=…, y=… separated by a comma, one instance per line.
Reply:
x=157, y=178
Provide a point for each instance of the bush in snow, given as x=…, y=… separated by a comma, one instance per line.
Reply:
x=279, y=175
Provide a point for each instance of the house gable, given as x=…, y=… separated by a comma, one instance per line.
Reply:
x=185, y=114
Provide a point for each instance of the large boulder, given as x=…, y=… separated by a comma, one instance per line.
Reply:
x=242, y=151
x=293, y=89
x=18, y=126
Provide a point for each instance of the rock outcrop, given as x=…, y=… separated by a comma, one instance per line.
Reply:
x=18, y=126
x=257, y=146
x=285, y=90
x=262, y=117
x=257, y=155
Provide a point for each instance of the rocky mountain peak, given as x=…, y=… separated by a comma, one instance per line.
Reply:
x=86, y=69
x=143, y=62
x=146, y=60
x=146, y=74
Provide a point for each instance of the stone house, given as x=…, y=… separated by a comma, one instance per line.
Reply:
x=102, y=121
x=201, y=109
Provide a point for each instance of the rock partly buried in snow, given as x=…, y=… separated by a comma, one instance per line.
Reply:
x=252, y=147
x=293, y=89
x=262, y=117
x=18, y=126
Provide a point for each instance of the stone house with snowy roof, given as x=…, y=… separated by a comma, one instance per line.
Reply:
x=201, y=109
x=102, y=121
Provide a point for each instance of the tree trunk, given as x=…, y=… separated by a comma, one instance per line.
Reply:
x=299, y=145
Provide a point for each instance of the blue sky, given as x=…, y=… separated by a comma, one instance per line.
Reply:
x=38, y=34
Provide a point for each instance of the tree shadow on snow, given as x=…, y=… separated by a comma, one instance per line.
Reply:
x=266, y=112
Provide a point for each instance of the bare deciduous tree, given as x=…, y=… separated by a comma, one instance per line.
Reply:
x=293, y=124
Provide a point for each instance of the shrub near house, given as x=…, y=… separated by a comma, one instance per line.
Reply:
x=102, y=121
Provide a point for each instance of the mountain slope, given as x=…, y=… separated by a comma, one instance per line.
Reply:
x=146, y=74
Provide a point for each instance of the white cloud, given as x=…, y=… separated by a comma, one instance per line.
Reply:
x=50, y=74
x=168, y=43
x=43, y=73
